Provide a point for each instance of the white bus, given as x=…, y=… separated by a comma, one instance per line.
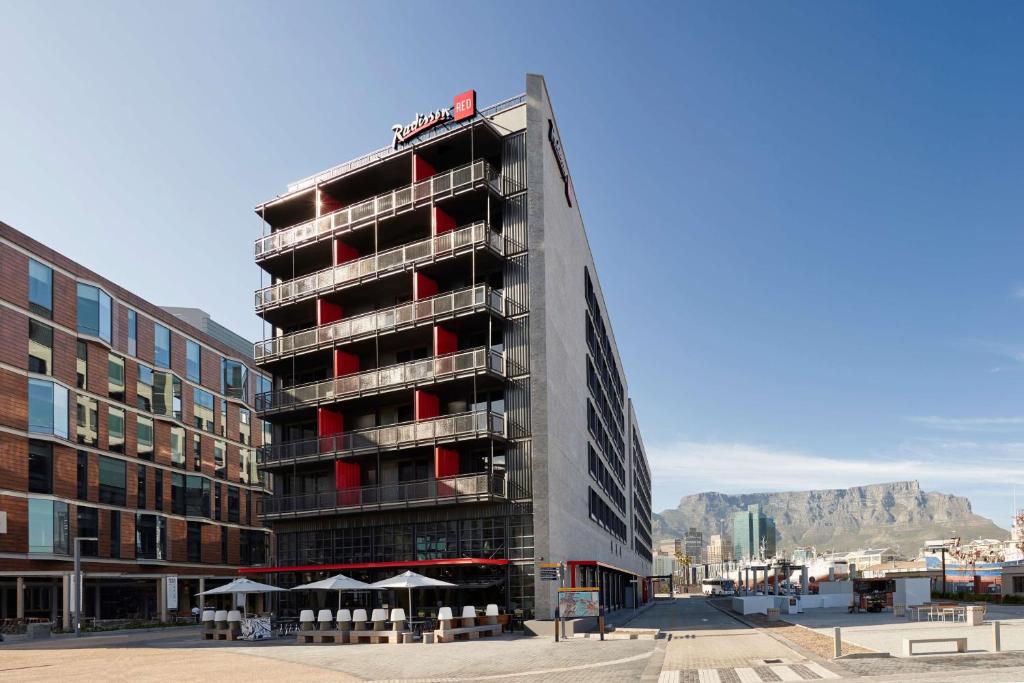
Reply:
x=717, y=586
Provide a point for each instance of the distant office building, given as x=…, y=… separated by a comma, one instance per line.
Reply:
x=718, y=550
x=751, y=528
x=670, y=547
x=693, y=545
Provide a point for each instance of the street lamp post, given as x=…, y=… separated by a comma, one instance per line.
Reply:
x=78, y=579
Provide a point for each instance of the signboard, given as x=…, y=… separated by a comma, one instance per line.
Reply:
x=171, y=583
x=465, y=105
x=563, y=168
x=579, y=602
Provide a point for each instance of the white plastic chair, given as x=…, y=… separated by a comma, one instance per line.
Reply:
x=444, y=617
x=379, y=618
x=468, y=615
x=398, y=619
x=344, y=619
x=221, y=618
x=359, y=619
x=306, y=620
x=491, y=615
x=234, y=615
x=325, y=617
x=208, y=617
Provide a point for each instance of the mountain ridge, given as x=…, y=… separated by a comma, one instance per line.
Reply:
x=891, y=514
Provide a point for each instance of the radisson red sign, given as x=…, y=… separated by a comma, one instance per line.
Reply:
x=464, y=107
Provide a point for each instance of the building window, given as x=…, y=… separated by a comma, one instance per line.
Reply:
x=115, y=377
x=158, y=490
x=47, y=408
x=40, y=466
x=115, y=534
x=133, y=333
x=197, y=453
x=115, y=429
x=177, y=447
x=161, y=346
x=144, y=389
x=81, y=364
x=232, y=504
x=197, y=496
x=140, y=488
x=223, y=417
x=244, y=426
x=268, y=434
x=40, y=288
x=144, y=437
x=40, y=348
x=248, y=506
x=234, y=379
x=48, y=526
x=83, y=476
x=167, y=394
x=94, y=312
x=248, y=473
x=193, y=361
x=112, y=481
x=202, y=409
x=177, y=493
x=88, y=527
x=219, y=460
x=150, y=537
x=216, y=500
x=194, y=541
x=87, y=420
x=224, y=545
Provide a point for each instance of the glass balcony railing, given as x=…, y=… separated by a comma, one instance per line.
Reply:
x=385, y=205
x=444, y=429
x=414, y=373
x=466, y=488
x=380, y=264
x=424, y=311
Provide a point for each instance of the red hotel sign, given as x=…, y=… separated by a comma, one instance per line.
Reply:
x=464, y=107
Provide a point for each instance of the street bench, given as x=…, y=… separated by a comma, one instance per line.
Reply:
x=303, y=637
x=909, y=643
x=221, y=634
x=375, y=637
x=468, y=632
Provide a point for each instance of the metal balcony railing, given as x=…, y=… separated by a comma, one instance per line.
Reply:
x=439, y=307
x=413, y=373
x=389, y=204
x=467, y=488
x=444, y=429
x=381, y=264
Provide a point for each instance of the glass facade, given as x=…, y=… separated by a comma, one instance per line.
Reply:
x=150, y=537
x=161, y=346
x=94, y=312
x=40, y=288
x=115, y=429
x=202, y=409
x=47, y=408
x=133, y=333
x=193, y=361
x=87, y=420
x=177, y=447
x=112, y=481
x=48, y=526
x=115, y=377
x=144, y=437
x=40, y=348
x=88, y=527
x=81, y=365
x=40, y=467
x=234, y=379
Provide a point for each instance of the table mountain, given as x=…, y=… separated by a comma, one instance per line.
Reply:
x=878, y=515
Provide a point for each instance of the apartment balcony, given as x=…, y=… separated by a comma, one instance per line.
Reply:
x=467, y=488
x=472, y=363
x=461, y=302
x=446, y=429
x=443, y=246
x=445, y=184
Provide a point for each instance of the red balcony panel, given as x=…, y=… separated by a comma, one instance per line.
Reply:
x=329, y=422
x=445, y=341
x=422, y=286
x=425, y=405
x=327, y=312
x=442, y=221
x=328, y=204
x=446, y=462
x=421, y=168
x=345, y=363
x=346, y=475
x=343, y=253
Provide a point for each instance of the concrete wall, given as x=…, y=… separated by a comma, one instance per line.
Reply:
x=835, y=588
x=559, y=252
x=913, y=591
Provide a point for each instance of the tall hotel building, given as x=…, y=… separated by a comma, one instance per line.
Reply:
x=447, y=394
x=121, y=421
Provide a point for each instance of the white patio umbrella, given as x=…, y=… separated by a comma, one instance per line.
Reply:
x=412, y=580
x=244, y=586
x=338, y=582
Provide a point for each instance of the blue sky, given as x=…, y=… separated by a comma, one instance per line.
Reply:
x=806, y=216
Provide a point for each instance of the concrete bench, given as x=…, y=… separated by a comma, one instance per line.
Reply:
x=375, y=637
x=909, y=643
x=326, y=636
x=221, y=634
x=468, y=632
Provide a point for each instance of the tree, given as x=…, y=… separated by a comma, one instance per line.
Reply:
x=684, y=563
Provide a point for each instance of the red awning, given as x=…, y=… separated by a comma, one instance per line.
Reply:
x=458, y=562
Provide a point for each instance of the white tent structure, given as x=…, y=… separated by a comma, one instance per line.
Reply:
x=242, y=586
x=338, y=582
x=411, y=580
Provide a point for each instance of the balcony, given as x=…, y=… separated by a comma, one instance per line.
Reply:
x=423, y=312
x=450, y=366
x=468, y=488
x=445, y=184
x=469, y=238
x=436, y=431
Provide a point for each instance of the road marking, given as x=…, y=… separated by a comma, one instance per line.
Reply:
x=820, y=670
x=669, y=677
x=708, y=676
x=785, y=673
x=747, y=675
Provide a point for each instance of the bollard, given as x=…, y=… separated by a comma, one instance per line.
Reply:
x=996, y=645
x=838, y=645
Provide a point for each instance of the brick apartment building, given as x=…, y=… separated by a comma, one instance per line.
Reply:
x=118, y=420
